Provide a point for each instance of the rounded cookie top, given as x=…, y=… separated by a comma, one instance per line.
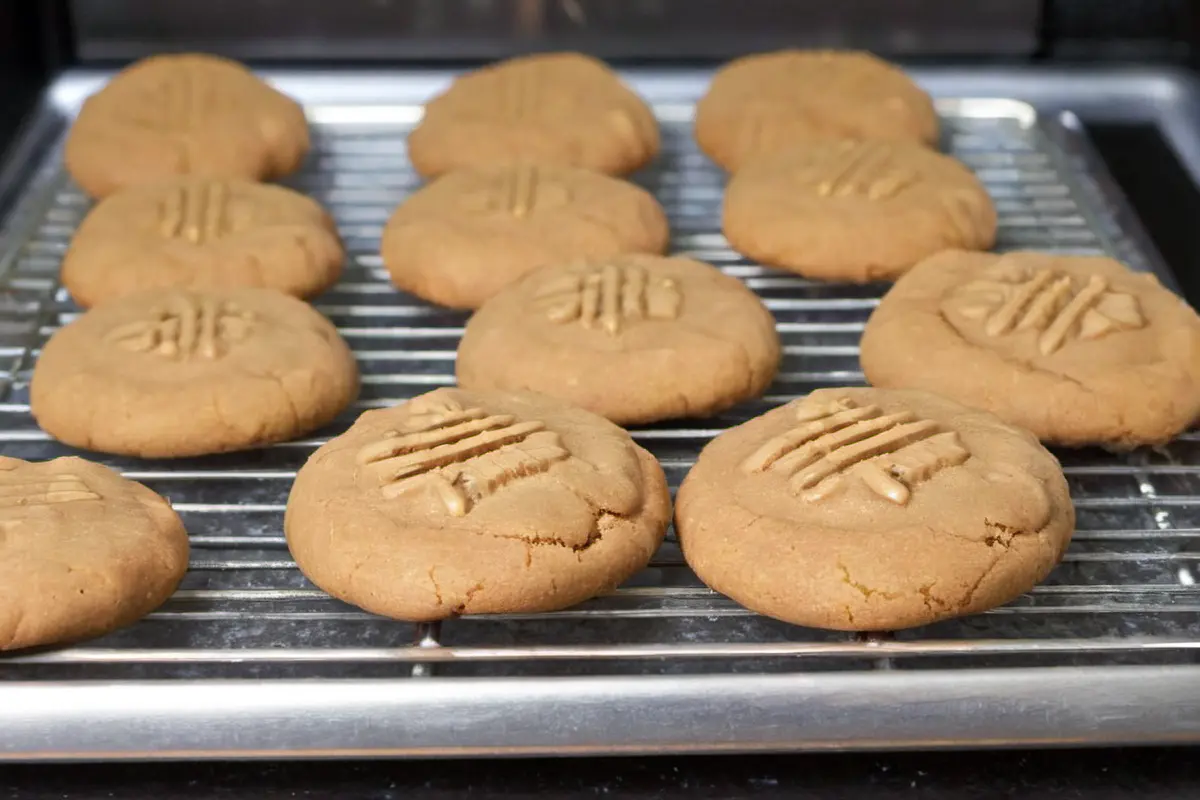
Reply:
x=558, y=108
x=464, y=502
x=864, y=509
x=1079, y=350
x=184, y=115
x=473, y=231
x=635, y=338
x=177, y=372
x=82, y=551
x=855, y=211
x=202, y=233
x=764, y=103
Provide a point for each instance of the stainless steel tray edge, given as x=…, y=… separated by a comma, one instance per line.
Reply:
x=596, y=716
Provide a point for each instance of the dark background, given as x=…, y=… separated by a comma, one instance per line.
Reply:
x=1046, y=775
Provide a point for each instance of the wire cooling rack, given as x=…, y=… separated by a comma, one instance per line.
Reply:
x=628, y=670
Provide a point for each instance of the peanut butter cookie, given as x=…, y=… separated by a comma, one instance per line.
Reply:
x=557, y=108
x=184, y=115
x=82, y=551
x=764, y=103
x=473, y=231
x=864, y=509
x=202, y=233
x=461, y=502
x=1079, y=350
x=855, y=211
x=177, y=372
x=633, y=338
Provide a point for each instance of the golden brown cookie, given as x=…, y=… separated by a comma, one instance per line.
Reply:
x=82, y=551
x=184, y=115
x=558, y=108
x=634, y=339
x=473, y=231
x=864, y=509
x=763, y=103
x=202, y=233
x=1079, y=350
x=461, y=502
x=855, y=211
x=177, y=372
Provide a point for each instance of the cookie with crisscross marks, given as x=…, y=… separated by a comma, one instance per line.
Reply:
x=200, y=233
x=866, y=509
x=1079, y=350
x=179, y=372
x=473, y=502
x=82, y=551
x=187, y=114
x=473, y=231
x=635, y=338
x=857, y=211
x=763, y=103
x=556, y=108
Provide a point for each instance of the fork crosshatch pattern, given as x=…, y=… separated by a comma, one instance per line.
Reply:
x=245, y=611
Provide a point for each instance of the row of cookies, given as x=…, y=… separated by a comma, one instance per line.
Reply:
x=156, y=368
x=464, y=502
x=833, y=175
x=827, y=147
x=194, y=342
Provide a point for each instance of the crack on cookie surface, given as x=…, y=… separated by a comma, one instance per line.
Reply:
x=437, y=590
x=461, y=608
x=927, y=596
x=1003, y=534
x=866, y=591
x=548, y=541
x=969, y=596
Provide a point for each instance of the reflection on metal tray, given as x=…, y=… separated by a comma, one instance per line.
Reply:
x=249, y=659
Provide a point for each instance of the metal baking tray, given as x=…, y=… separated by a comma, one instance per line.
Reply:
x=250, y=660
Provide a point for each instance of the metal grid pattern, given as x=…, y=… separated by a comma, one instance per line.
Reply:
x=1125, y=594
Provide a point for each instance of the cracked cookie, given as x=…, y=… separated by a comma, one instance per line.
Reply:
x=866, y=509
x=176, y=372
x=189, y=114
x=83, y=551
x=202, y=233
x=635, y=338
x=473, y=231
x=1079, y=350
x=464, y=502
x=555, y=108
x=764, y=103
x=855, y=211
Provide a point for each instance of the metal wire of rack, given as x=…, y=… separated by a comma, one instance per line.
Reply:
x=1126, y=593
